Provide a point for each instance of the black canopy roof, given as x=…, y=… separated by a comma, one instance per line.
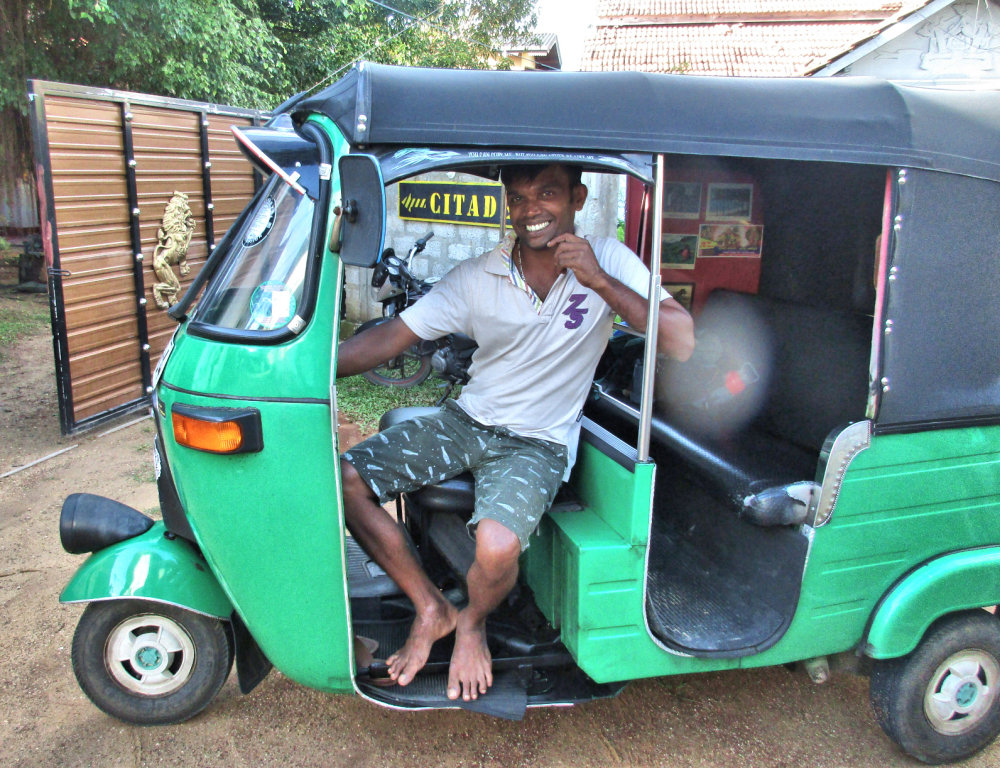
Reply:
x=845, y=119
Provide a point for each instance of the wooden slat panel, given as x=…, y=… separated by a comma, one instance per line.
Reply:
x=75, y=291
x=84, y=363
x=113, y=387
x=105, y=333
x=93, y=219
x=98, y=311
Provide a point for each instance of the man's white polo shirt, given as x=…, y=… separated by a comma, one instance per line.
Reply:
x=536, y=360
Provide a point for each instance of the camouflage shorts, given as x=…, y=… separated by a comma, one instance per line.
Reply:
x=516, y=477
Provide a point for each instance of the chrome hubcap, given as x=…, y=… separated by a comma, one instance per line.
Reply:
x=962, y=691
x=150, y=655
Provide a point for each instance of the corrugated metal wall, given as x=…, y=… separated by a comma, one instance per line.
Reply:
x=108, y=163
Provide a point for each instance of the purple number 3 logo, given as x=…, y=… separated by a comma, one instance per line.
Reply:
x=575, y=312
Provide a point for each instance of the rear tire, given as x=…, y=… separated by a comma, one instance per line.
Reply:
x=150, y=663
x=941, y=703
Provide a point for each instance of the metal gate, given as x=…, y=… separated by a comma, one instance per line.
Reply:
x=109, y=165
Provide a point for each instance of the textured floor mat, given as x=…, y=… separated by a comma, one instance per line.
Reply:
x=694, y=605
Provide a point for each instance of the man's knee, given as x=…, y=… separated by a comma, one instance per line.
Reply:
x=497, y=547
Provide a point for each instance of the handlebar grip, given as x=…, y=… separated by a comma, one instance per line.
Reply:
x=423, y=240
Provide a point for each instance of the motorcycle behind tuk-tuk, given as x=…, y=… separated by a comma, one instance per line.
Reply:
x=818, y=485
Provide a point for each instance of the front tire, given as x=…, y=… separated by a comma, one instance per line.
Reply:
x=403, y=372
x=942, y=702
x=150, y=663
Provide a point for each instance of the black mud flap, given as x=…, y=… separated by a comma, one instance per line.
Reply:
x=252, y=666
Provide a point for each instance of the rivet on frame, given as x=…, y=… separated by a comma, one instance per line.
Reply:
x=888, y=327
x=142, y=301
x=145, y=347
x=135, y=211
x=138, y=257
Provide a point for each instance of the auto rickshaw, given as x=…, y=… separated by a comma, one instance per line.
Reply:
x=818, y=486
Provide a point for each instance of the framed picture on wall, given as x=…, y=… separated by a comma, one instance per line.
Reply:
x=678, y=251
x=683, y=293
x=729, y=201
x=731, y=240
x=682, y=200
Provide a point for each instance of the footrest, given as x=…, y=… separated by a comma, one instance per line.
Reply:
x=507, y=698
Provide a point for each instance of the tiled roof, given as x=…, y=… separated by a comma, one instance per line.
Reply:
x=760, y=50
x=800, y=8
x=544, y=42
x=752, y=38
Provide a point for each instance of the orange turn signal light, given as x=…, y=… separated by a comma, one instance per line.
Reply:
x=217, y=430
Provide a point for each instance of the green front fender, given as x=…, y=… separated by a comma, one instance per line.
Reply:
x=150, y=567
x=955, y=582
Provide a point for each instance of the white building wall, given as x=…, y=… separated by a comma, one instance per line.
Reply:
x=957, y=46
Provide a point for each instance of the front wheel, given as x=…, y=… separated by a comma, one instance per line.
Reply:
x=150, y=663
x=403, y=372
x=942, y=702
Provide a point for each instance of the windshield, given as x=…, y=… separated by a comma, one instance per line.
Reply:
x=259, y=287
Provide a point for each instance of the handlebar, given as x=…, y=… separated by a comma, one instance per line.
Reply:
x=423, y=241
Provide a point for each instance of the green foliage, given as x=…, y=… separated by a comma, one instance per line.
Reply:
x=21, y=317
x=363, y=403
x=247, y=53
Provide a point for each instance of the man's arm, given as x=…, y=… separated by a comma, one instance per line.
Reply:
x=376, y=345
x=675, y=328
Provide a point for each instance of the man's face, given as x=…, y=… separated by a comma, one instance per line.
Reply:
x=544, y=207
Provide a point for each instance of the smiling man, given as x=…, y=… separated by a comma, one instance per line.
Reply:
x=540, y=306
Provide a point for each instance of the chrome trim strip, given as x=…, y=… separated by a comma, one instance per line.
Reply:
x=838, y=452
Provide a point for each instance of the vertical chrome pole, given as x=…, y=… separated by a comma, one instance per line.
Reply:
x=649, y=359
x=503, y=213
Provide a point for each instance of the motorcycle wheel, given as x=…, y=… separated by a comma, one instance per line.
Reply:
x=150, y=663
x=403, y=372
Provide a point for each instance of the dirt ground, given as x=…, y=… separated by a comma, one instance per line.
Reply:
x=768, y=718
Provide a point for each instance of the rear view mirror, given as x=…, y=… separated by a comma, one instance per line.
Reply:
x=361, y=222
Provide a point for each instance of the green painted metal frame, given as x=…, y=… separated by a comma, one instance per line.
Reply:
x=153, y=567
x=271, y=523
x=959, y=581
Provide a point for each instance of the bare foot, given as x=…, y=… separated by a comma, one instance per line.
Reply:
x=470, y=673
x=427, y=628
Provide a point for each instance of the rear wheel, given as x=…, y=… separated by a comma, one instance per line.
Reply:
x=150, y=663
x=942, y=702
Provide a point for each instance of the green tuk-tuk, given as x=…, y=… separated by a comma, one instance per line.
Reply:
x=819, y=484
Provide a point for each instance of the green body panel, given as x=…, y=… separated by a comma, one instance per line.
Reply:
x=587, y=571
x=149, y=567
x=271, y=523
x=957, y=581
x=905, y=500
